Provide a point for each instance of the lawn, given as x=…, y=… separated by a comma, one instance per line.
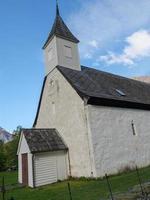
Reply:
x=81, y=189
x=10, y=177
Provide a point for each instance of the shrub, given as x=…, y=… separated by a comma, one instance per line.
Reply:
x=126, y=169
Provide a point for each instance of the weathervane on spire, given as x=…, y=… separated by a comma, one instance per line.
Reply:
x=57, y=8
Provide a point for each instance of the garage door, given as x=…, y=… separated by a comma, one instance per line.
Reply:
x=45, y=166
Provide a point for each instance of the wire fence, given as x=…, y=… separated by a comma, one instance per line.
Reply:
x=142, y=194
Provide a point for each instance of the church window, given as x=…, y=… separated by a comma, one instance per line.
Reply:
x=50, y=54
x=120, y=92
x=53, y=108
x=68, y=51
x=133, y=128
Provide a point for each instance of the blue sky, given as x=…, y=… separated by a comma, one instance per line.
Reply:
x=114, y=35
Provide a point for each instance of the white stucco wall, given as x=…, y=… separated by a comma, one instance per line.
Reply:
x=63, y=109
x=63, y=60
x=23, y=148
x=50, y=63
x=114, y=144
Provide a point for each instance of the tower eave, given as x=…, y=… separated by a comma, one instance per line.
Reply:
x=50, y=39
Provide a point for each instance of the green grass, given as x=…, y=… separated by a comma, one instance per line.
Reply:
x=81, y=189
x=10, y=177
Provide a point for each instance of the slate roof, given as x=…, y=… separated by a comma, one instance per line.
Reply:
x=98, y=86
x=43, y=140
x=60, y=29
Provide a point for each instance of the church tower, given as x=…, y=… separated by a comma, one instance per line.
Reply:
x=61, y=47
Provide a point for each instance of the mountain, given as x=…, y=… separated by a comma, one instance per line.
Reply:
x=143, y=78
x=5, y=136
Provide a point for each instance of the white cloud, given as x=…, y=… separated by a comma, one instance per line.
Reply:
x=138, y=47
x=111, y=58
x=100, y=23
x=139, y=44
x=94, y=44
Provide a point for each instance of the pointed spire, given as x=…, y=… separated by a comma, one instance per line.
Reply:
x=60, y=29
x=57, y=8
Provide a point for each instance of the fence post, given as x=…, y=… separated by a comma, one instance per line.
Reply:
x=109, y=187
x=3, y=188
x=69, y=189
x=140, y=182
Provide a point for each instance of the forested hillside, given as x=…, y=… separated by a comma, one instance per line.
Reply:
x=8, y=151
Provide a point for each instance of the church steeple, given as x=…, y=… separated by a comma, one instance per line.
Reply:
x=60, y=29
x=61, y=46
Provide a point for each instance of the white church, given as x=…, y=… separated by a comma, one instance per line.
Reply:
x=88, y=122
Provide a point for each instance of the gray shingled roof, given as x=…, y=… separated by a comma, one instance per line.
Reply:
x=93, y=83
x=99, y=88
x=60, y=29
x=43, y=140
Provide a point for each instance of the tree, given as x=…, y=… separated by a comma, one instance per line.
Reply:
x=8, y=151
x=11, y=149
x=18, y=130
x=2, y=156
x=11, y=152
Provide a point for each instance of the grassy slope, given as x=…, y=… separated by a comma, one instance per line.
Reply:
x=81, y=189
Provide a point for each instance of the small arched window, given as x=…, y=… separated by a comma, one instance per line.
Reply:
x=133, y=128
